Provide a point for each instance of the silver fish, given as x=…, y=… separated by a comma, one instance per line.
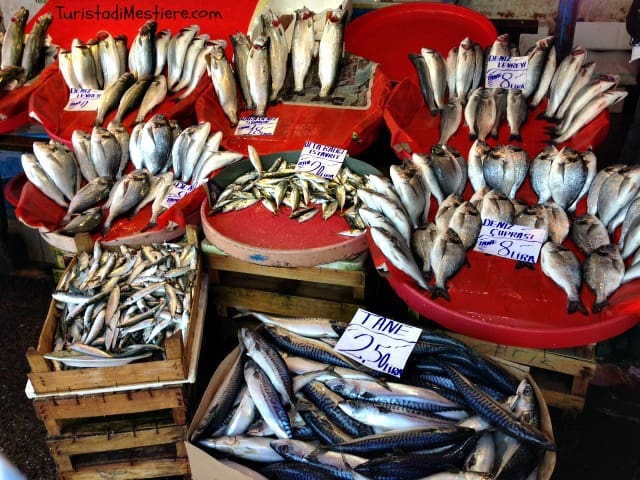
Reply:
x=61, y=170
x=446, y=210
x=31, y=55
x=584, y=76
x=483, y=456
x=516, y=113
x=421, y=245
x=429, y=178
x=154, y=96
x=450, y=120
x=393, y=210
x=81, y=142
x=211, y=161
x=397, y=251
x=278, y=52
x=155, y=142
x=331, y=51
x=501, y=100
x=163, y=37
x=177, y=51
x=111, y=96
x=86, y=221
x=84, y=67
x=534, y=216
x=478, y=71
x=65, y=65
x=603, y=270
x=565, y=75
x=586, y=95
x=126, y=194
x=591, y=163
x=241, y=47
x=135, y=154
x=132, y=97
x=13, y=40
x=465, y=67
x=109, y=59
x=121, y=47
x=197, y=136
x=485, y=116
x=37, y=175
x=452, y=62
x=497, y=206
x=466, y=222
x=106, y=152
x=631, y=237
x=546, y=78
x=558, y=222
x=257, y=449
x=449, y=169
x=596, y=185
x=477, y=154
x=143, y=51
x=92, y=43
x=89, y=195
x=302, y=45
x=539, y=172
x=199, y=68
x=505, y=168
x=567, y=176
x=259, y=74
x=448, y=255
x=537, y=57
x=193, y=52
x=471, y=110
x=121, y=134
x=631, y=214
x=616, y=191
x=224, y=84
x=407, y=182
x=437, y=70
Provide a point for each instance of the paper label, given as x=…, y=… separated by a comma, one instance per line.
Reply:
x=256, y=126
x=506, y=72
x=177, y=192
x=378, y=342
x=321, y=160
x=510, y=241
x=83, y=100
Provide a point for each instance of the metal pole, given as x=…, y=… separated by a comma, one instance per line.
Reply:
x=565, y=26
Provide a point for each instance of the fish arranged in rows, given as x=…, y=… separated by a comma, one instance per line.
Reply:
x=23, y=55
x=134, y=77
x=455, y=87
x=303, y=193
x=291, y=406
x=99, y=168
x=261, y=64
x=125, y=302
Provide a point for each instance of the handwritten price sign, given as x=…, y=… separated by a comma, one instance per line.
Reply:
x=257, y=126
x=177, y=192
x=507, y=72
x=83, y=100
x=321, y=160
x=378, y=342
x=510, y=241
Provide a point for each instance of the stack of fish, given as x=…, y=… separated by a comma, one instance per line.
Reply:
x=124, y=303
x=295, y=408
x=262, y=62
x=283, y=185
x=573, y=97
x=134, y=78
x=102, y=158
x=23, y=55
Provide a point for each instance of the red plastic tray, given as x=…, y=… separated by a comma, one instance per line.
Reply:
x=297, y=123
x=387, y=35
x=414, y=129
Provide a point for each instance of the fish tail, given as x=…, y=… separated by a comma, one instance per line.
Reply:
x=434, y=112
x=515, y=137
x=440, y=292
x=542, y=116
x=473, y=136
x=577, y=306
x=598, y=306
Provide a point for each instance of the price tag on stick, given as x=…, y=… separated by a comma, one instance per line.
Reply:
x=378, y=342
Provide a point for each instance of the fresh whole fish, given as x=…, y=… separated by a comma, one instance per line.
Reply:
x=535, y=66
x=109, y=59
x=193, y=52
x=451, y=63
x=112, y=95
x=135, y=154
x=224, y=84
x=447, y=257
x=132, y=97
x=259, y=74
x=163, y=37
x=423, y=163
x=446, y=211
x=420, y=64
x=177, y=52
x=106, y=152
x=596, y=185
x=485, y=115
x=155, y=94
x=505, y=168
x=121, y=134
x=497, y=206
x=589, y=233
x=477, y=154
x=241, y=47
x=81, y=142
x=34, y=44
x=562, y=266
x=603, y=270
x=142, y=55
x=11, y=77
x=59, y=166
x=87, y=221
x=437, y=71
x=546, y=78
x=421, y=245
x=466, y=222
x=155, y=142
x=450, y=120
x=165, y=182
x=465, y=67
x=584, y=76
x=558, y=222
x=278, y=52
x=501, y=100
x=392, y=209
x=13, y=40
x=199, y=68
x=255, y=449
x=449, y=168
x=471, y=110
x=516, y=113
x=302, y=47
x=629, y=221
x=408, y=184
x=617, y=190
x=84, y=66
x=331, y=51
x=37, y=175
x=566, y=73
x=539, y=172
x=567, y=177
x=89, y=195
x=126, y=194
x=65, y=65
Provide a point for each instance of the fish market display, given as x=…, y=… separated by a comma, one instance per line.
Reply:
x=139, y=78
x=309, y=412
x=110, y=173
x=117, y=304
x=304, y=194
x=573, y=97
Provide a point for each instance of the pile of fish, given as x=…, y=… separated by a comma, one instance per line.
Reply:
x=283, y=185
x=158, y=150
x=262, y=62
x=123, y=303
x=292, y=407
x=24, y=55
x=134, y=78
x=573, y=97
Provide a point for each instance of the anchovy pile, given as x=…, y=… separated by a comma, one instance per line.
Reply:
x=23, y=55
x=159, y=151
x=294, y=408
x=133, y=78
x=282, y=185
x=573, y=97
x=117, y=303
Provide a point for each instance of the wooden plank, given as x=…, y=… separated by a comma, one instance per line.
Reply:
x=275, y=303
x=136, y=469
x=350, y=278
x=562, y=400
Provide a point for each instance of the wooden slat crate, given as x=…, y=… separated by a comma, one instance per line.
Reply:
x=174, y=368
x=563, y=375
x=300, y=291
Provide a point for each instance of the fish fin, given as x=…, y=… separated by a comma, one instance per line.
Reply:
x=515, y=137
x=598, y=306
x=440, y=292
x=542, y=116
x=577, y=306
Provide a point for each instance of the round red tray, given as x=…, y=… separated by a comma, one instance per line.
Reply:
x=256, y=235
x=387, y=35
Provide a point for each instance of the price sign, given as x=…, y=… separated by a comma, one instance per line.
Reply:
x=321, y=160
x=510, y=241
x=506, y=72
x=83, y=100
x=176, y=192
x=256, y=126
x=378, y=342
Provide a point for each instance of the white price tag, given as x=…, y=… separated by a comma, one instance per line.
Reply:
x=257, y=126
x=510, y=241
x=321, y=160
x=83, y=100
x=378, y=342
x=176, y=192
x=507, y=72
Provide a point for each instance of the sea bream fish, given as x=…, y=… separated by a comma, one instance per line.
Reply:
x=447, y=256
x=563, y=267
x=603, y=270
x=126, y=194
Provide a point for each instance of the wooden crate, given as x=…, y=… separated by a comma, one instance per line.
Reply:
x=46, y=379
x=293, y=291
x=563, y=375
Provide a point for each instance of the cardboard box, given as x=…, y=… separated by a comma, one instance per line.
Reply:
x=205, y=467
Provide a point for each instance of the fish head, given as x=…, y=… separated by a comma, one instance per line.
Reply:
x=20, y=16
